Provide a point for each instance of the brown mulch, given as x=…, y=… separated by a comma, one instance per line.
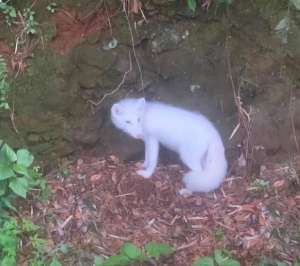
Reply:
x=103, y=203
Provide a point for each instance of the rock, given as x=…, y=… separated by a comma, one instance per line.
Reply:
x=93, y=56
x=165, y=38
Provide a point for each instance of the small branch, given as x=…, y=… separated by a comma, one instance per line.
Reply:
x=185, y=246
x=12, y=119
x=118, y=87
x=292, y=114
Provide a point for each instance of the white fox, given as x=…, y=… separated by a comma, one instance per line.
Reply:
x=189, y=134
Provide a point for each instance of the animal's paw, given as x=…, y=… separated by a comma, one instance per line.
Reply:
x=144, y=173
x=142, y=166
x=185, y=192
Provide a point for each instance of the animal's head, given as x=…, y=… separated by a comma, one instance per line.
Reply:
x=127, y=115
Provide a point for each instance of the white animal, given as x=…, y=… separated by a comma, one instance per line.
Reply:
x=189, y=134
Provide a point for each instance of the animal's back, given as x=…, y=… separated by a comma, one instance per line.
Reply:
x=173, y=125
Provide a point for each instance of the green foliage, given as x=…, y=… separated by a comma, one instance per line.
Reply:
x=98, y=261
x=260, y=184
x=296, y=4
x=129, y=253
x=8, y=243
x=17, y=176
x=55, y=262
x=156, y=250
x=224, y=2
x=219, y=258
x=282, y=29
x=30, y=22
x=4, y=85
x=9, y=11
x=192, y=4
x=12, y=232
x=204, y=261
x=265, y=261
x=52, y=7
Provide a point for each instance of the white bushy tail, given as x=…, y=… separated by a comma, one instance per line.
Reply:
x=213, y=172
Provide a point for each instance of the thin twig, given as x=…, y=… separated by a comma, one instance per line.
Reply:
x=292, y=114
x=185, y=246
x=244, y=117
x=65, y=222
x=118, y=87
x=12, y=118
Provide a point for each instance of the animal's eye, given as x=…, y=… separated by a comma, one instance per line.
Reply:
x=128, y=122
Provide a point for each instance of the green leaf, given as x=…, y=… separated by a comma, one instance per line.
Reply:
x=192, y=4
x=6, y=171
x=9, y=153
x=283, y=24
x=24, y=157
x=64, y=248
x=296, y=4
x=223, y=258
x=28, y=226
x=204, y=261
x=231, y=262
x=158, y=249
x=6, y=203
x=118, y=260
x=55, y=262
x=19, y=186
x=98, y=261
x=21, y=169
x=131, y=251
x=3, y=186
x=219, y=257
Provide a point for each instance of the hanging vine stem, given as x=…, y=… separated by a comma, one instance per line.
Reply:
x=133, y=48
x=118, y=87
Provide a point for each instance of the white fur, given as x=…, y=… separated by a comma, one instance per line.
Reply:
x=189, y=134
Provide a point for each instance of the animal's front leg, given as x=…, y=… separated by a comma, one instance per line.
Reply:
x=146, y=162
x=151, y=157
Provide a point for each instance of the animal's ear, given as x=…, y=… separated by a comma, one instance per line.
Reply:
x=141, y=102
x=116, y=109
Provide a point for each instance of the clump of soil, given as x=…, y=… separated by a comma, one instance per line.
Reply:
x=73, y=27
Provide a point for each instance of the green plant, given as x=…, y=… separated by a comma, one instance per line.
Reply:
x=129, y=253
x=283, y=27
x=219, y=258
x=30, y=22
x=13, y=232
x=268, y=261
x=17, y=176
x=8, y=242
x=52, y=7
x=8, y=10
x=4, y=85
x=39, y=254
x=192, y=4
x=259, y=184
